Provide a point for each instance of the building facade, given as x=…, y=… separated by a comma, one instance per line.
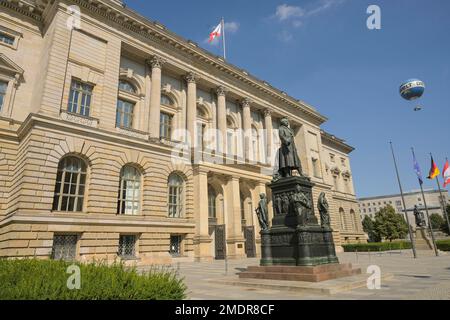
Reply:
x=120, y=139
x=370, y=205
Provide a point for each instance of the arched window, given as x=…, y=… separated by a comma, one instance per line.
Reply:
x=165, y=100
x=175, y=203
x=342, y=218
x=354, y=219
x=70, y=185
x=129, y=191
x=230, y=142
x=211, y=202
x=255, y=146
x=127, y=86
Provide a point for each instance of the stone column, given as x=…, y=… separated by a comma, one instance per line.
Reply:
x=235, y=237
x=246, y=124
x=191, y=112
x=155, y=96
x=202, y=239
x=269, y=134
x=221, y=119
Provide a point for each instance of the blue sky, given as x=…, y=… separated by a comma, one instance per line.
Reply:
x=323, y=53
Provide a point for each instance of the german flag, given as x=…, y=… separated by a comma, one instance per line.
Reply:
x=434, y=171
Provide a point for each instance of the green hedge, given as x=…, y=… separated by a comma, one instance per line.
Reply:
x=443, y=245
x=47, y=280
x=376, y=246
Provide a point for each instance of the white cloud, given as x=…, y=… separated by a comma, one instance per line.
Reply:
x=296, y=15
x=231, y=27
x=285, y=36
x=285, y=12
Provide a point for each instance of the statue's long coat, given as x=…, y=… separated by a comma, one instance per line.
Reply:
x=288, y=157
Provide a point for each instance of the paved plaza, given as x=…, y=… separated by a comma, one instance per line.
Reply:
x=427, y=277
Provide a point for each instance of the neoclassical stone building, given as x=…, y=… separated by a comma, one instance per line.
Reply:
x=95, y=161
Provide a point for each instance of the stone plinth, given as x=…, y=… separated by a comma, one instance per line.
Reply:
x=300, y=273
x=295, y=238
x=422, y=240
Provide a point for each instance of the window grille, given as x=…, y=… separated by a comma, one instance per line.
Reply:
x=64, y=247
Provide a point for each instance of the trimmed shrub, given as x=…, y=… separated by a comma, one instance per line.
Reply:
x=376, y=246
x=443, y=245
x=47, y=280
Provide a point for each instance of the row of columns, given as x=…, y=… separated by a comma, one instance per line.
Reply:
x=232, y=215
x=156, y=64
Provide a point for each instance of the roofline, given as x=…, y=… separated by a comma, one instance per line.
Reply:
x=431, y=190
x=337, y=141
x=144, y=26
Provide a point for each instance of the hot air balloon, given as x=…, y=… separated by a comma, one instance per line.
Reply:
x=411, y=90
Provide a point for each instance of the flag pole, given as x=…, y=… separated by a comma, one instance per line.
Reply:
x=223, y=38
x=413, y=245
x=444, y=209
x=428, y=215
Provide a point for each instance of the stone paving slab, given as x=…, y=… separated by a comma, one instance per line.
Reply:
x=427, y=277
x=328, y=287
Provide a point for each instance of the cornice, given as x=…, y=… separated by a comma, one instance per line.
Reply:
x=340, y=143
x=158, y=33
x=26, y=8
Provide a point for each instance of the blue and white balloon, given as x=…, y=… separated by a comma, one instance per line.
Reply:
x=412, y=89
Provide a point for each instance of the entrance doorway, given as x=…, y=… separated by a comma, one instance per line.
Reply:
x=250, y=246
x=220, y=242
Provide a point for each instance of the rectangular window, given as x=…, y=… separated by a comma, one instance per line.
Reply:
x=398, y=203
x=230, y=136
x=175, y=245
x=343, y=162
x=316, y=169
x=165, y=125
x=64, y=247
x=80, y=98
x=124, y=114
x=127, y=246
x=200, y=134
x=7, y=39
x=3, y=87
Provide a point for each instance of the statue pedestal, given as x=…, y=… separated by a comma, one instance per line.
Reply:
x=295, y=238
x=422, y=240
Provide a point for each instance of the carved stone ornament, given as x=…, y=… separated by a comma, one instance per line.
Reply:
x=157, y=62
x=221, y=90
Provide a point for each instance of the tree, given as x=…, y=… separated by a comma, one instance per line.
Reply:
x=368, y=227
x=445, y=226
x=437, y=221
x=389, y=224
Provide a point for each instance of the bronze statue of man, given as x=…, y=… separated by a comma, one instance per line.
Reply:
x=322, y=206
x=420, y=220
x=288, y=159
x=262, y=212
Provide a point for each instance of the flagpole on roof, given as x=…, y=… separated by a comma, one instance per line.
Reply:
x=223, y=38
x=426, y=210
x=413, y=245
x=444, y=210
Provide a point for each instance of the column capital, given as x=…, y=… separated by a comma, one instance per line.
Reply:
x=156, y=62
x=267, y=112
x=221, y=90
x=244, y=102
x=191, y=77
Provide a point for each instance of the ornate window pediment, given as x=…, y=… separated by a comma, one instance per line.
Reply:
x=346, y=174
x=335, y=170
x=9, y=68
